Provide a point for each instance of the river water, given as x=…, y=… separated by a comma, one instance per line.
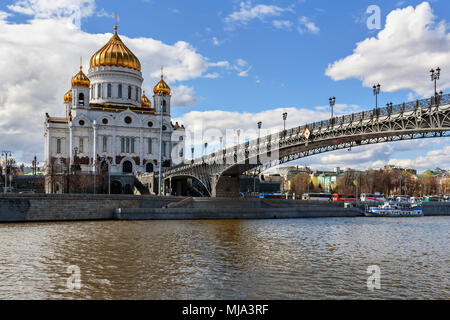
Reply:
x=258, y=259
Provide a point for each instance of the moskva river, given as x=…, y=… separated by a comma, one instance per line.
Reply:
x=261, y=259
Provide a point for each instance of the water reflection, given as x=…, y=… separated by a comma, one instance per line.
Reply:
x=274, y=259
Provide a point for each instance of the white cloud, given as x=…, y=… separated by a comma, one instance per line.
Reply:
x=183, y=96
x=247, y=13
x=432, y=159
x=4, y=15
x=215, y=41
x=400, y=56
x=242, y=67
x=282, y=24
x=39, y=57
x=49, y=9
x=306, y=25
x=213, y=75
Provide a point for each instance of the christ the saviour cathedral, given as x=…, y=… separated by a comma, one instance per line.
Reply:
x=111, y=125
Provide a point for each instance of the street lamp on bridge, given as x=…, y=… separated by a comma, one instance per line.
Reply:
x=284, y=119
x=332, y=104
x=6, y=154
x=34, y=164
x=435, y=74
x=192, y=152
x=376, y=91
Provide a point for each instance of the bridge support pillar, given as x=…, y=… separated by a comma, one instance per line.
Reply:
x=225, y=187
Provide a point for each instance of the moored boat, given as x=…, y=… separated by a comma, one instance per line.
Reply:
x=395, y=209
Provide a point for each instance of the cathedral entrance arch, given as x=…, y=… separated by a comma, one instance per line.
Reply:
x=116, y=187
x=127, y=167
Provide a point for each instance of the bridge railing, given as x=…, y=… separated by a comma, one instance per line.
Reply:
x=250, y=148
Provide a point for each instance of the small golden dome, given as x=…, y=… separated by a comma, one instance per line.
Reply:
x=115, y=53
x=68, y=96
x=80, y=79
x=144, y=101
x=161, y=87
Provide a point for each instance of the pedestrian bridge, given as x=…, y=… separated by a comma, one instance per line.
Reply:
x=219, y=171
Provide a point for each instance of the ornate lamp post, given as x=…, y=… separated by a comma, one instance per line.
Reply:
x=332, y=104
x=206, y=146
x=10, y=163
x=435, y=74
x=376, y=91
x=35, y=163
x=284, y=120
x=192, y=152
x=6, y=154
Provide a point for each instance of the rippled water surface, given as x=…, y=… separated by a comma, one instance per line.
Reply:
x=270, y=259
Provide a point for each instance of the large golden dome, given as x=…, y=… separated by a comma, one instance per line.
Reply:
x=80, y=80
x=115, y=53
x=68, y=96
x=161, y=87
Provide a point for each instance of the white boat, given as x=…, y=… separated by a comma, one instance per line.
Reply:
x=395, y=209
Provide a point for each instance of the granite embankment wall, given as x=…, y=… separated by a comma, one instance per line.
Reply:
x=18, y=208
x=22, y=208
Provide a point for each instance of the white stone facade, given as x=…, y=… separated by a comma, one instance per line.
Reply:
x=107, y=121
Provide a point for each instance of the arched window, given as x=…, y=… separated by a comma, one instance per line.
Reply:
x=99, y=91
x=129, y=92
x=164, y=106
x=109, y=90
x=149, y=167
x=137, y=94
x=120, y=91
x=81, y=99
x=127, y=167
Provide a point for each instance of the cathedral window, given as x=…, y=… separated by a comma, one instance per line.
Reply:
x=132, y=145
x=149, y=141
x=105, y=144
x=99, y=91
x=81, y=99
x=129, y=92
x=164, y=148
x=150, y=124
x=127, y=144
x=81, y=122
x=58, y=145
x=105, y=121
x=122, y=145
x=120, y=91
x=109, y=89
x=164, y=106
x=127, y=120
x=80, y=148
x=137, y=94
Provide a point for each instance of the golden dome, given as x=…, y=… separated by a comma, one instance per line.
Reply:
x=145, y=102
x=115, y=53
x=80, y=79
x=161, y=87
x=68, y=96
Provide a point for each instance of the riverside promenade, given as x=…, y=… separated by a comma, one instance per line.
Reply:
x=75, y=207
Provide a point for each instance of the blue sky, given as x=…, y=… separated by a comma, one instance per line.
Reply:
x=253, y=60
